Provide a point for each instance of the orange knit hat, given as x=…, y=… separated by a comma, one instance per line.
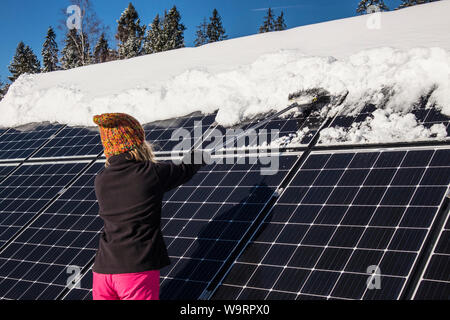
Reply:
x=119, y=132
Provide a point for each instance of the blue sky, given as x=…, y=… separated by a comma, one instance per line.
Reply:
x=28, y=20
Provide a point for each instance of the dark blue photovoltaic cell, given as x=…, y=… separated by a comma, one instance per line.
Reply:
x=36, y=265
x=435, y=281
x=72, y=142
x=16, y=144
x=340, y=215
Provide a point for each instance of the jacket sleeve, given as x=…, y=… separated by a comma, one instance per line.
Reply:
x=172, y=175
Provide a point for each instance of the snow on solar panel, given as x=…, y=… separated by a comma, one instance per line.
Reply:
x=36, y=264
x=342, y=214
x=430, y=116
x=426, y=116
x=294, y=130
x=18, y=145
x=5, y=169
x=72, y=142
x=435, y=282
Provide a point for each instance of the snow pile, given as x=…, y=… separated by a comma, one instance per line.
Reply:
x=383, y=127
x=378, y=75
x=394, y=65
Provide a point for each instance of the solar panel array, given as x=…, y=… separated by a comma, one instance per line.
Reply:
x=308, y=230
x=341, y=214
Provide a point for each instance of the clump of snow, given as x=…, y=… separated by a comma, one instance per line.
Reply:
x=394, y=65
x=383, y=127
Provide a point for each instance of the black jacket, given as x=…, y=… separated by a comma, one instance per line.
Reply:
x=129, y=195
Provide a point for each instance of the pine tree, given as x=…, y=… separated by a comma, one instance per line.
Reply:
x=76, y=52
x=101, y=50
x=153, y=41
x=24, y=61
x=70, y=54
x=130, y=33
x=364, y=5
x=202, y=37
x=269, y=22
x=409, y=3
x=4, y=87
x=50, y=52
x=173, y=30
x=279, y=23
x=215, y=31
x=113, y=55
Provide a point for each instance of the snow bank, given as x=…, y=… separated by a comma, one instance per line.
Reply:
x=242, y=77
x=385, y=74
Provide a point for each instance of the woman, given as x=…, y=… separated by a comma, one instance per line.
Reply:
x=129, y=192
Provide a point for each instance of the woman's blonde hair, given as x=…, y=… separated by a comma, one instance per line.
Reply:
x=144, y=152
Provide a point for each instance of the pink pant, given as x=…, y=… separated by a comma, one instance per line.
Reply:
x=126, y=286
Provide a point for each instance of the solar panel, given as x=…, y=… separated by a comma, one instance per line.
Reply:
x=63, y=238
x=206, y=218
x=435, y=282
x=18, y=145
x=342, y=214
x=26, y=191
x=160, y=133
x=72, y=142
x=6, y=169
